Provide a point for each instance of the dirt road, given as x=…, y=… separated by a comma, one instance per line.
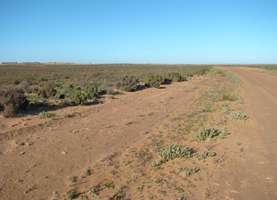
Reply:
x=254, y=175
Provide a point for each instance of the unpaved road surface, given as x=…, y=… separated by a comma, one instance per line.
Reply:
x=254, y=176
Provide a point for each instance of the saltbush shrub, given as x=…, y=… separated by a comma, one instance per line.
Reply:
x=47, y=89
x=34, y=99
x=12, y=100
x=129, y=84
x=76, y=95
x=177, y=77
x=153, y=80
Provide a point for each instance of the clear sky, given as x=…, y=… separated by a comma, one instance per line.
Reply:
x=139, y=31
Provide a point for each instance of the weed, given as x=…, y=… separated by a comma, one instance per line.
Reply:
x=172, y=152
x=238, y=115
x=140, y=188
x=45, y=114
x=205, y=133
x=205, y=154
x=225, y=108
x=109, y=185
x=72, y=195
x=84, y=197
x=180, y=189
x=229, y=97
x=73, y=179
x=189, y=171
x=88, y=172
x=120, y=195
x=144, y=155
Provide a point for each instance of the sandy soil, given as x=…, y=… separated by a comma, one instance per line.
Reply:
x=39, y=157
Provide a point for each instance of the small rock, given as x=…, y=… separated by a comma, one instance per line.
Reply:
x=22, y=143
x=63, y=152
x=22, y=153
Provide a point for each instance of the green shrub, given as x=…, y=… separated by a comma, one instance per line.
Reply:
x=205, y=133
x=76, y=95
x=79, y=96
x=35, y=99
x=153, y=81
x=129, y=84
x=12, y=101
x=174, y=151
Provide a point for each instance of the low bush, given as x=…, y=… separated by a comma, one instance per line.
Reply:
x=76, y=95
x=153, y=81
x=129, y=84
x=12, y=100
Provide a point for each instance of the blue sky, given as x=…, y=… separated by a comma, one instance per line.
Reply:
x=139, y=31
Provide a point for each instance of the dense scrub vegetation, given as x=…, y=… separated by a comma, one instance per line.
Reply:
x=29, y=86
